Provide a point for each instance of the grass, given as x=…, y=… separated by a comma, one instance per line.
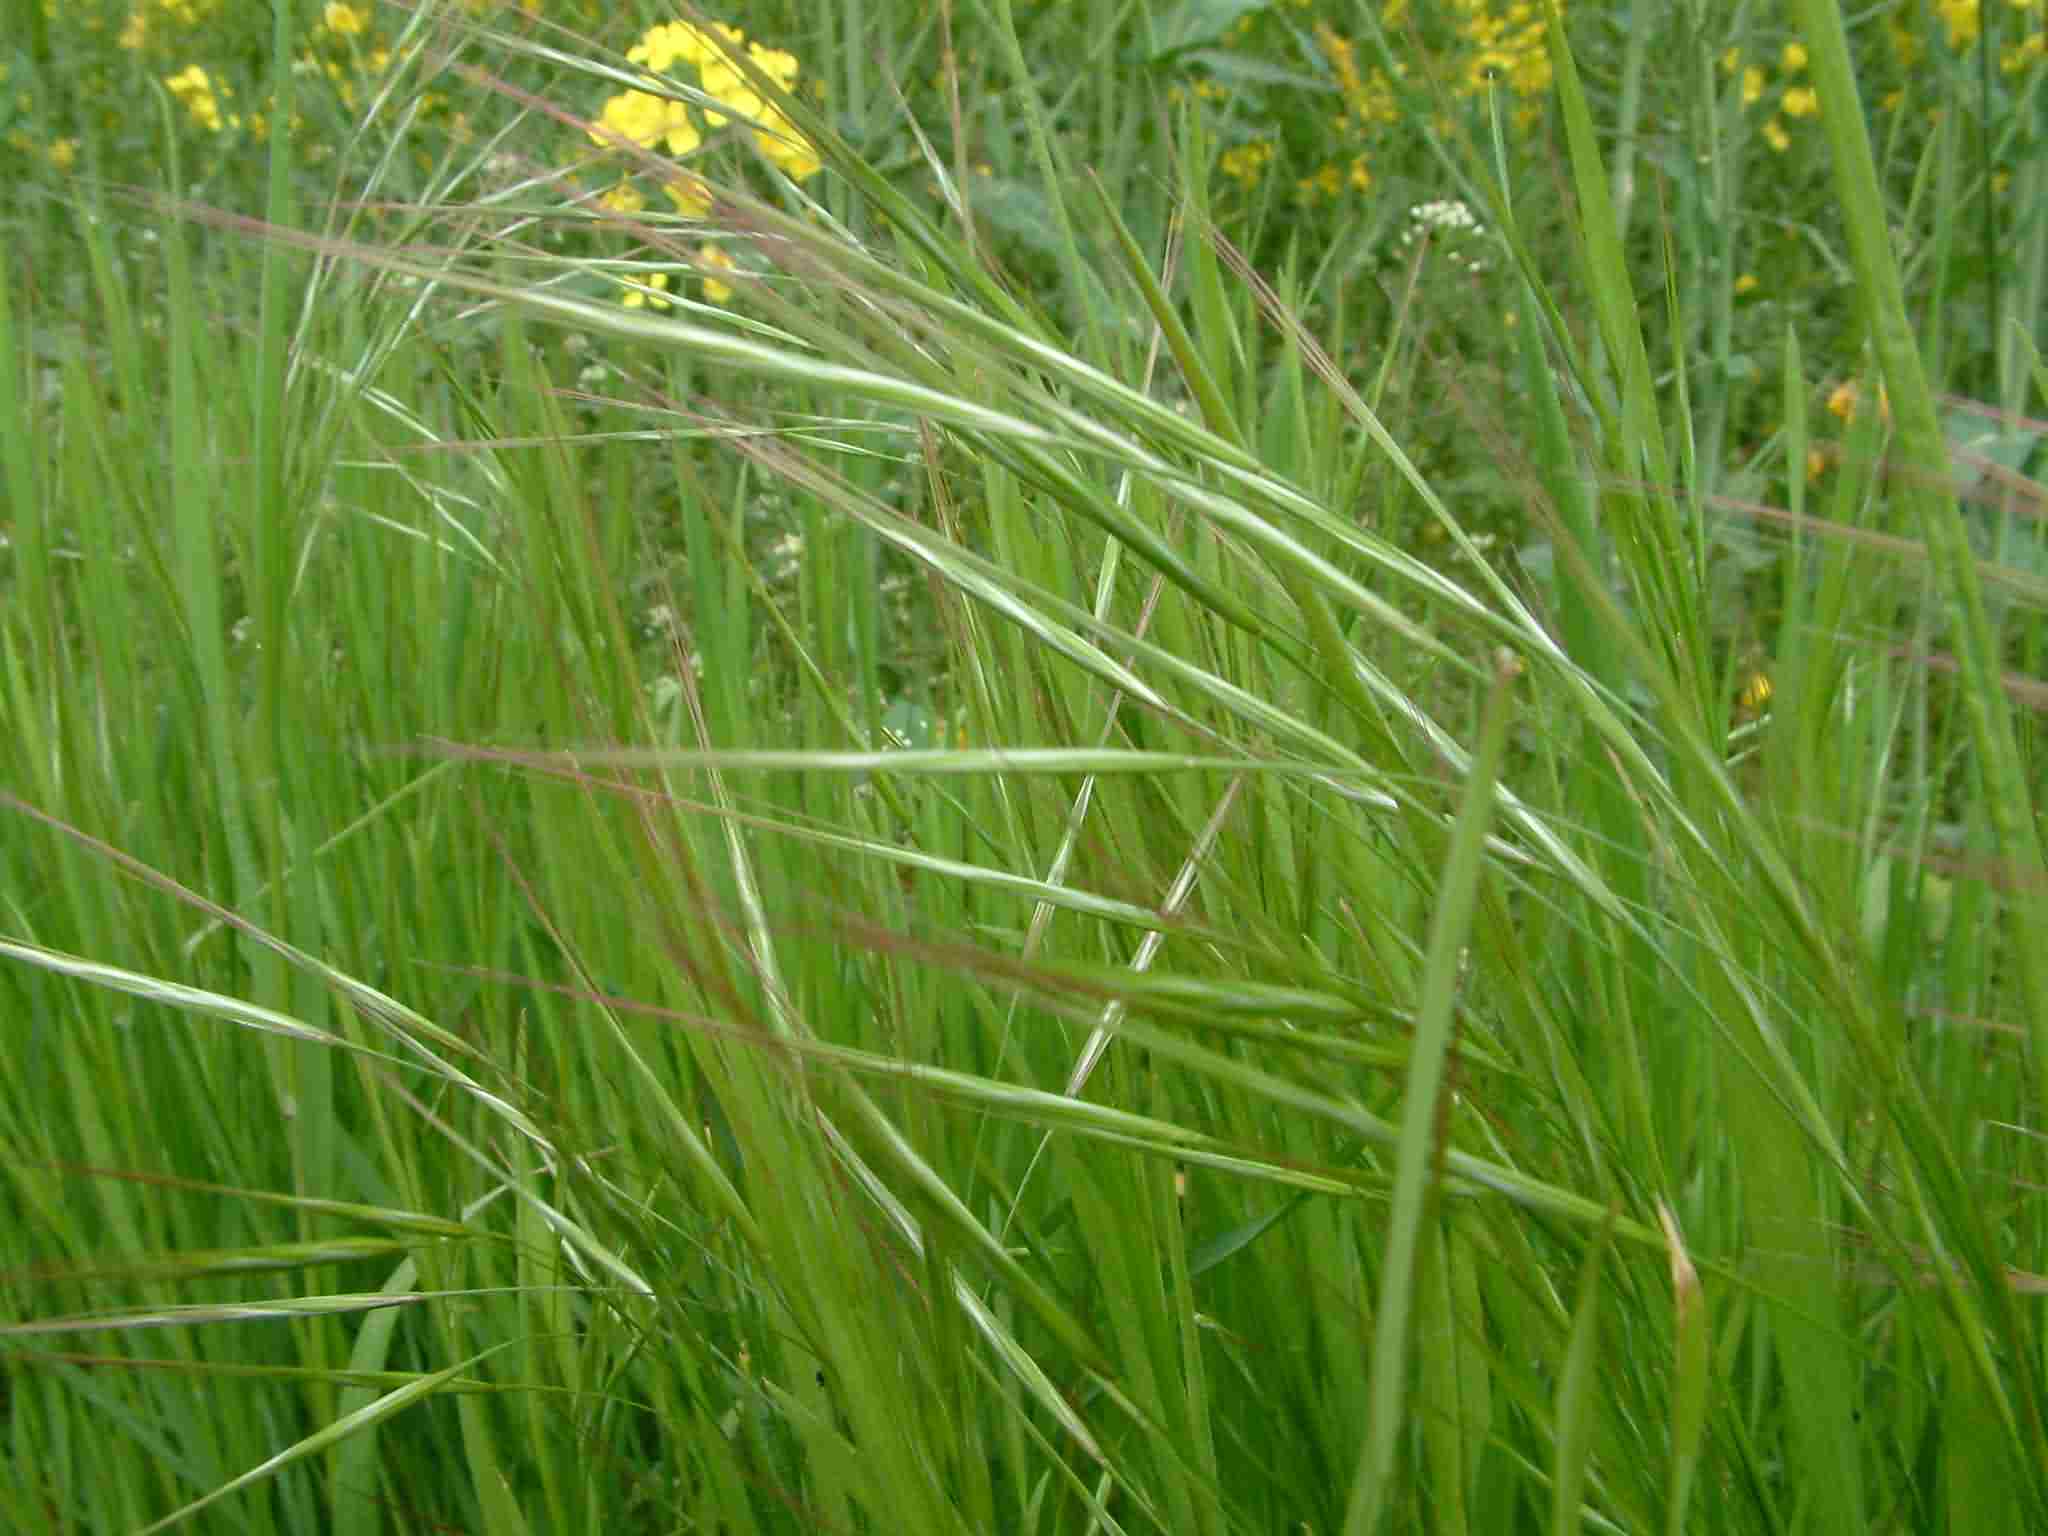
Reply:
x=1132, y=843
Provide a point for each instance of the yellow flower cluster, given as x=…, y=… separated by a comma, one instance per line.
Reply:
x=1962, y=24
x=2030, y=48
x=718, y=89
x=345, y=46
x=644, y=119
x=1509, y=47
x=1247, y=162
x=648, y=118
x=198, y=93
x=1368, y=99
x=717, y=258
x=652, y=291
x=1497, y=44
x=1332, y=178
x=1846, y=398
x=1794, y=99
x=1755, y=695
x=188, y=14
x=60, y=153
x=649, y=294
x=346, y=20
x=342, y=45
x=1845, y=404
x=1369, y=103
x=1962, y=21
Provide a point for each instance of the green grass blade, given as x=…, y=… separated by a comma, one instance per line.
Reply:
x=1418, y=1166
x=372, y=1414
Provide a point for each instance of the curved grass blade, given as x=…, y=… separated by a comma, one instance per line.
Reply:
x=371, y=1414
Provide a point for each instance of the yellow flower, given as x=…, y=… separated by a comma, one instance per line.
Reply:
x=636, y=298
x=1747, y=283
x=690, y=195
x=134, y=34
x=1800, y=101
x=1793, y=59
x=1905, y=43
x=646, y=121
x=705, y=49
x=346, y=20
x=662, y=46
x=1327, y=182
x=1731, y=60
x=1487, y=66
x=775, y=64
x=623, y=198
x=63, y=153
x=1962, y=20
x=1777, y=137
x=1337, y=49
x=715, y=256
x=1752, y=85
x=790, y=150
x=659, y=47
x=1246, y=162
x=1847, y=398
x=721, y=78
x=192, y=87
x=1531, y=75
x=1816, y=465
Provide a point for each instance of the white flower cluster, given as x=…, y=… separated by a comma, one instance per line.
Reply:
x=1448, y=222
x=785, y=555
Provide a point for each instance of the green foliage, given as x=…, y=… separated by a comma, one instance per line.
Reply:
x=1029, y=767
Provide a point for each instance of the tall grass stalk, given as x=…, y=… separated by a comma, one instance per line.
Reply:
x=898, y=904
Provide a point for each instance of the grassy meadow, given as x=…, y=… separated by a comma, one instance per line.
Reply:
x=1069, y=766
